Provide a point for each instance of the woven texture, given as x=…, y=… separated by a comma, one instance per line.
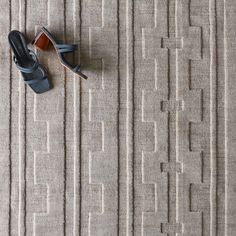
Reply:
x=146, y=146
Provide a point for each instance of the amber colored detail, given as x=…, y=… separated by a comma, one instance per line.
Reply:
x=41, y=41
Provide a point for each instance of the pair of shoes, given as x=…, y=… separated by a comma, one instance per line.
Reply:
x=27, y=63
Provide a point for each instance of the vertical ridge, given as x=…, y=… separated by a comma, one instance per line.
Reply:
x=226, y=120
x=213, y=113
x=10, y=123
x=65, y=121
x=125, y=119
x=132, y=118
x=22, y=135
x=118, y=115
x=80, y=125
x=77, y=128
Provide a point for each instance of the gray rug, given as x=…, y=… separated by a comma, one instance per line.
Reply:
x=145, y=146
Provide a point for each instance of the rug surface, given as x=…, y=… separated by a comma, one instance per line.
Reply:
x=145, y=146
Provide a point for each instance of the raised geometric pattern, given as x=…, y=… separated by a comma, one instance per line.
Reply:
x=145, y=146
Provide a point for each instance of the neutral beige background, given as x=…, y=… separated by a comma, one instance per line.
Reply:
x=145, y=146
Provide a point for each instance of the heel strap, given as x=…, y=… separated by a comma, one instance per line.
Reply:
x=65, y=48
x=76, y=68
x=31, y=69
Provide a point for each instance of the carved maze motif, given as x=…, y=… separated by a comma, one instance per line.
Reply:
x=45, y=142
x=130, y=151
x=167, y=161
x=191, y=114
x=151, y=143
x=101, y=118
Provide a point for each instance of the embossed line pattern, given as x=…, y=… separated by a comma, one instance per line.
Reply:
x=145, y=146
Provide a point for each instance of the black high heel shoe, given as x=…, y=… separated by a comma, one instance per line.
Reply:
x=42, y=41
x=27, y=63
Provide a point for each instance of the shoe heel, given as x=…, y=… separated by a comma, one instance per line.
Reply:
x=41, y=41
